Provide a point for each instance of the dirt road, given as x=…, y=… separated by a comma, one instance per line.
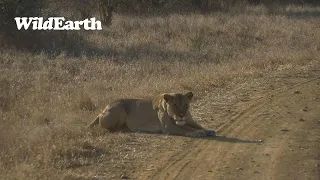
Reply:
x=268, y=128
x=272, y=132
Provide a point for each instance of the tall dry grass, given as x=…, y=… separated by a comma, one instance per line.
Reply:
x=46, y=102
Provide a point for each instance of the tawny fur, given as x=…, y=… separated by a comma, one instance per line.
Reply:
x=166, y=113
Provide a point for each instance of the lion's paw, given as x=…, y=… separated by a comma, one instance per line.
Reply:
x=197, y=133
x=210, y=132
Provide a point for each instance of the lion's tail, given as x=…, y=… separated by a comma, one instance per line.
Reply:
x=94, y=122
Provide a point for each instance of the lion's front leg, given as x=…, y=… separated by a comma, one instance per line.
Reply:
x=182, y=130
x=191, y=123
x=209, y=132
x=169, y=127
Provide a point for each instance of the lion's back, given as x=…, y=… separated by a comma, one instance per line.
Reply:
x=141, y=116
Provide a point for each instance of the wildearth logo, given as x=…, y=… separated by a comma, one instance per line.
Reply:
x=56, y=23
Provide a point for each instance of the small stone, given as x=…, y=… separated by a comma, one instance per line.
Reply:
x=239, y=168
x=256, y=172
x=284, y=130
x=225, y=166
x=124, y=176
x=291, y=149
x=304, y=170
x=260, y=141
x=209, y=170
x=296, y=92
x=305, y=109
x=317, y=165
x=301, y=120
x=95, y=178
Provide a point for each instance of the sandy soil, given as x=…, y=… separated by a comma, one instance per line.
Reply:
x=267, y=128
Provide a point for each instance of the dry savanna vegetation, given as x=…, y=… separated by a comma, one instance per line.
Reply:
x=47, y=98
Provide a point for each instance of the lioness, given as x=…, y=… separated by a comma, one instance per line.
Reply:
x=167, y=113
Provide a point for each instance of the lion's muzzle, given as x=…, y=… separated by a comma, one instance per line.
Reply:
x=180, y=122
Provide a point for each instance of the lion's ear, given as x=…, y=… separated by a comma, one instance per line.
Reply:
x=189, y=95
x=167, y=98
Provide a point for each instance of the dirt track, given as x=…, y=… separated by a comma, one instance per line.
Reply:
x=273, y=132
x=268, y=128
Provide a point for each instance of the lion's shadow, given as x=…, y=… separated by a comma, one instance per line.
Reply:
x=213, y=138
x=229, y=139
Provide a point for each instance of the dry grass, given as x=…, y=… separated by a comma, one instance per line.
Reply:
x=46, y=103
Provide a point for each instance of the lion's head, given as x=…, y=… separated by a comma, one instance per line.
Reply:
x=177, y=106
